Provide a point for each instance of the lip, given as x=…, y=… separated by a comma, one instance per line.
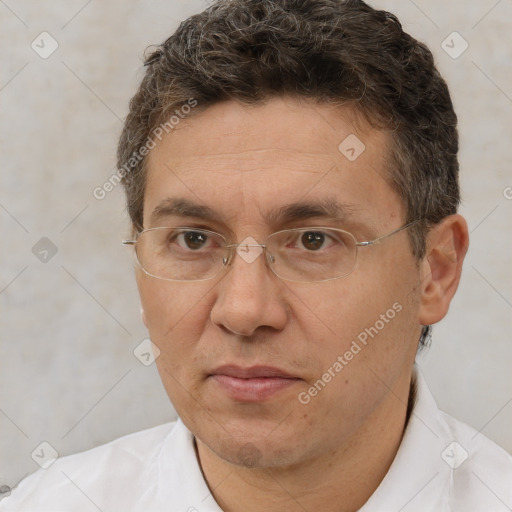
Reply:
x=252, y=372
x=252, y=384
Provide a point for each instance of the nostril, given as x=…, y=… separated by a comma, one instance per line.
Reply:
x=243, y=334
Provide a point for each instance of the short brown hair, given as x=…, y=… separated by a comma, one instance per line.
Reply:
x=332, y=51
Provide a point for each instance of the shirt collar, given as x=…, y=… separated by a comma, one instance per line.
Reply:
x=186, y=476
x=415, y=476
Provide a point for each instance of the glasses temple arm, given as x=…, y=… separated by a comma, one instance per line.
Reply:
x=394, y=232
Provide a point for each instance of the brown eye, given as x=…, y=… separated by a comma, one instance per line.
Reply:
x=193, y=240
x=313, y=240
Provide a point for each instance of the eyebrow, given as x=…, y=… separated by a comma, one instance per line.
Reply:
x=183, y=208
x=328, y=208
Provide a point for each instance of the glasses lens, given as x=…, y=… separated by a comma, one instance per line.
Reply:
x=180, y=254
x=312, y=254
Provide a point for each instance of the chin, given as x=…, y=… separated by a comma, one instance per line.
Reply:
x=252, y=443
x=255, y=454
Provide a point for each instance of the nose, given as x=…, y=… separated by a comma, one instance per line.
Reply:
x=249, y=296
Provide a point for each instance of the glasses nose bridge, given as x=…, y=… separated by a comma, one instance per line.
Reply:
x=252, y=251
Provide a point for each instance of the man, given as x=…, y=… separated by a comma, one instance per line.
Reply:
x=292, y=179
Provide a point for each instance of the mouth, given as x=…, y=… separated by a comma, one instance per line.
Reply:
x=252, y=384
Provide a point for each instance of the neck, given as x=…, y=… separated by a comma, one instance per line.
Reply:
x=340, y=481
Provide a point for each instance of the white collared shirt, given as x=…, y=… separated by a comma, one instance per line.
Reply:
x=442, y=465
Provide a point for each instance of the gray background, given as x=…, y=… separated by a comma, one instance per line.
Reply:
x=70, y=324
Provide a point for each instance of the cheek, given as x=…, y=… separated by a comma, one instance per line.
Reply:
x=359, y=326
x=157, y=303
x=168, y=306
x=363, y=339
x=175, y=318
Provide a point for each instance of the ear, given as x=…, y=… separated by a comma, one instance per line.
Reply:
x=447, y=244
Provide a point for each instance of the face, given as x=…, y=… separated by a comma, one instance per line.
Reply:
x=261, y=370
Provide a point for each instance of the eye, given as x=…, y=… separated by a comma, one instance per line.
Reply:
x=313, y=240
x=193, y=240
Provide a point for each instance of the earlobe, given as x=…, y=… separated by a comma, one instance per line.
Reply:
x=447, y=244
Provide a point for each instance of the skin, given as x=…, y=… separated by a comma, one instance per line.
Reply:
x=280, y=454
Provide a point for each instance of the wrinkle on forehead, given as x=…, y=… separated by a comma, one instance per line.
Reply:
x=234, y=163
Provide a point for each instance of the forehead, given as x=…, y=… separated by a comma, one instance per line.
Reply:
x=244, y=163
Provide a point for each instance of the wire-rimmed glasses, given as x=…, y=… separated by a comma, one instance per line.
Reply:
x=310, y=254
